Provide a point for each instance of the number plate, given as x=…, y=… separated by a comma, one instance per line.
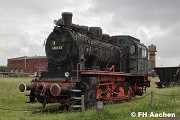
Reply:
x=58, y=47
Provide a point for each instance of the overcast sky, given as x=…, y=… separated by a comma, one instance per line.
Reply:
x=25, y=24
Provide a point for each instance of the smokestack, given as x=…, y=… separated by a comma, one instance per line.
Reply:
x=67, y=17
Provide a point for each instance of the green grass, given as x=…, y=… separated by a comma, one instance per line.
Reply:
x=13, y=106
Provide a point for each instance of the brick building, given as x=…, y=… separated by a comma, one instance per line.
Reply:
x=27, y=64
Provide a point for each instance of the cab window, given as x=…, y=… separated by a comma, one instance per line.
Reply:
x=132, y=50
x=144, y=53
x=140, y=52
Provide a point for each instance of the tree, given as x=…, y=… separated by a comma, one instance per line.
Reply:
x=3, y=68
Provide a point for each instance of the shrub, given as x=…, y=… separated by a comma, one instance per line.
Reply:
x=3, y=68
x=17, y=74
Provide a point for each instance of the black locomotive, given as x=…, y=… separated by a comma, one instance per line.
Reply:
x=82, y=60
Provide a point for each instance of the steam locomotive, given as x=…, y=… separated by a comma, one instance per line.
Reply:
x=84, y=61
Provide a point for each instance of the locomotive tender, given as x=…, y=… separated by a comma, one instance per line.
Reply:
x=83, y=61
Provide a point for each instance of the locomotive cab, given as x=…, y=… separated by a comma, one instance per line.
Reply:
x=137, y=61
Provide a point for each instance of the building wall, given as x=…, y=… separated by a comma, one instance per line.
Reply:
x=27, y=65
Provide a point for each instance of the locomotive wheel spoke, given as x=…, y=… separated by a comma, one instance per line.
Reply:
x=119, y=90
x=130, y=93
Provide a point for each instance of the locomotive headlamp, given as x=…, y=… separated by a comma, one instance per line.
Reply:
x=66, y=74
x=55, y=22
x=35, y=74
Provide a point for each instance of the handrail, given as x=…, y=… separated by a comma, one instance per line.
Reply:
x=77, y=71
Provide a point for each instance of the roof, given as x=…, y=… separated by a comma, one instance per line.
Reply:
x=127, y=36
x=27, y=57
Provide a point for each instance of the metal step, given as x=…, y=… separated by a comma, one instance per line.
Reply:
x=76, y=98
x=75, y=90
x=76, y=106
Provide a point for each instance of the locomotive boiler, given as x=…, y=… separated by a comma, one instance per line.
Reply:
x=84, y=61
x=70, y=44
